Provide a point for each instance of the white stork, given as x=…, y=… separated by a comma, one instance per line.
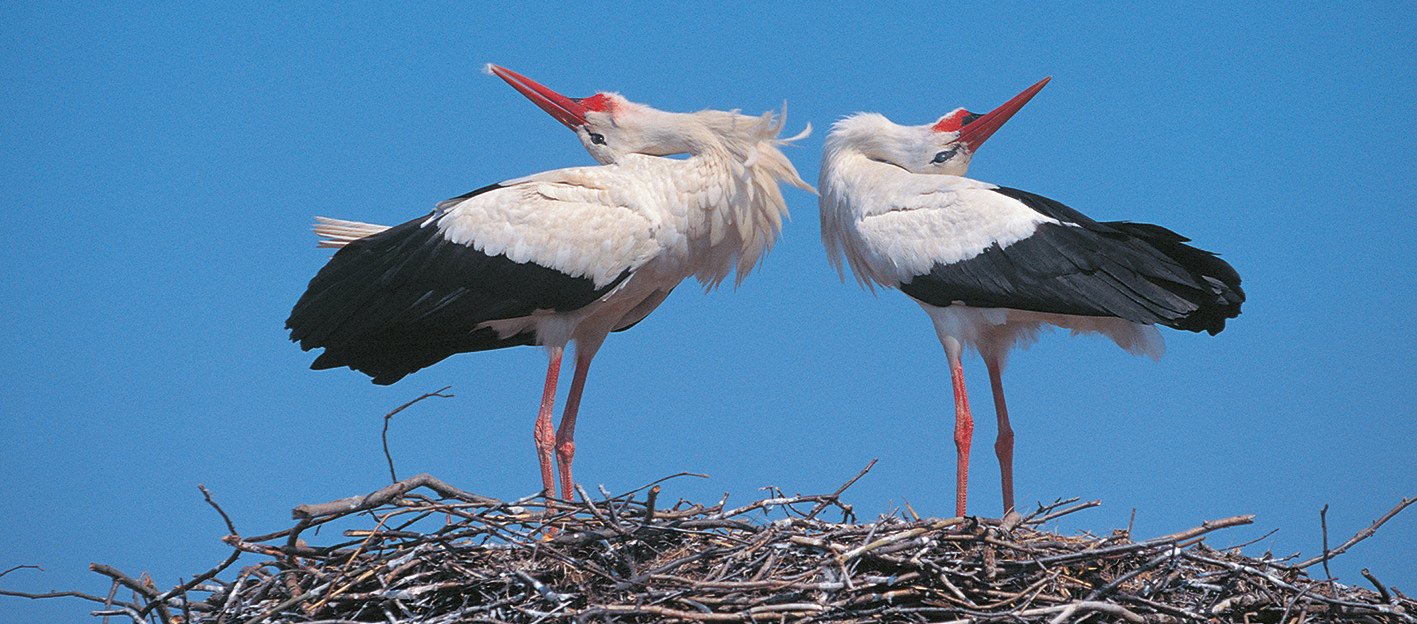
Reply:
x=562, y=256
x=993, y=265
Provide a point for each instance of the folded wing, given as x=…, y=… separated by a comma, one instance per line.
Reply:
x=1070, y=264
x=398, y=300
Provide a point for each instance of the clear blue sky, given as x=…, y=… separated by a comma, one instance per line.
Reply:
x=162, y=165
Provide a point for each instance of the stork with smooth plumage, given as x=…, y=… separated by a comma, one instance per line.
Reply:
x=568, y=255
x=993, y=265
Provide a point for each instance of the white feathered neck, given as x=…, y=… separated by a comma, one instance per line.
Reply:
x=744, y=224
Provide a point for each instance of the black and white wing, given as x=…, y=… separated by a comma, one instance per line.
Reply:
x=1071, y=264
x=391, y=303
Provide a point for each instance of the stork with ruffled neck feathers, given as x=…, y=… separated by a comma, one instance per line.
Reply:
x=563, y=256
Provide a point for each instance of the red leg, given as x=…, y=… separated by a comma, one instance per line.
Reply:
x=1004, y=445
x=543, y=433
x=964, y=432
x=566, y=432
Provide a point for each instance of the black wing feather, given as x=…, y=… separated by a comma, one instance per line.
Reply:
x=1136, y=271
x=406, y=298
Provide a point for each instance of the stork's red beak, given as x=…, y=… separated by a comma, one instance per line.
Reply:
x=566, y=110
x=974, y=133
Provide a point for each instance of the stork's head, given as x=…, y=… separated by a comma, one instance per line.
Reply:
x=943, y=147
x=608, y=125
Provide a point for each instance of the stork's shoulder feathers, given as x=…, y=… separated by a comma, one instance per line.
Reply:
x=580, y=221
x=891, y=224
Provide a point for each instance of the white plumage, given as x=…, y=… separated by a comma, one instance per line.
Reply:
x=560, y=256
x=992, y=266
x=891, y=224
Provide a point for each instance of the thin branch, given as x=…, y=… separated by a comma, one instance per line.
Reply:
x=835, y=497
x=230, y=527
x=1323, y=522
x=52, y=594
x=1362, y=535
x=1205, y=527
x=384, y=495
x=21, y=567
x=384, y=436
x=1074, y=509
x=1252, y=542
x=146, y=590
x=1382, y=589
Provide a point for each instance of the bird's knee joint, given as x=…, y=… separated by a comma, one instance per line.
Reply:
x=963, y=435
x=565, y=450
x=545, y=438
x=1005, y=442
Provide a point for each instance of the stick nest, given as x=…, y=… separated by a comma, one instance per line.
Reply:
x=399, y=556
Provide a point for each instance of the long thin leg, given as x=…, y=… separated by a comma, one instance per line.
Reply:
x=566, y=432
x=1004, y=445
x=542, y=433
x=964, y=433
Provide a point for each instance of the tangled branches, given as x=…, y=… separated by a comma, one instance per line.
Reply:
x=454, y=556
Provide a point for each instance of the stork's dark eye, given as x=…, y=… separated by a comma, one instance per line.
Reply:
x=597, y=138
x=943, y=156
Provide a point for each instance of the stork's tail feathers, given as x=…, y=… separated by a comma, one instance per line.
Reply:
x=336, y=233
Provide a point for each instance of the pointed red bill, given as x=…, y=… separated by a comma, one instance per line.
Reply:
x=569, y=111
x=975, y=131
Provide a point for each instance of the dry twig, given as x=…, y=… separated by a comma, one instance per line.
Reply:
x=1362, y=535
x=384, y=436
